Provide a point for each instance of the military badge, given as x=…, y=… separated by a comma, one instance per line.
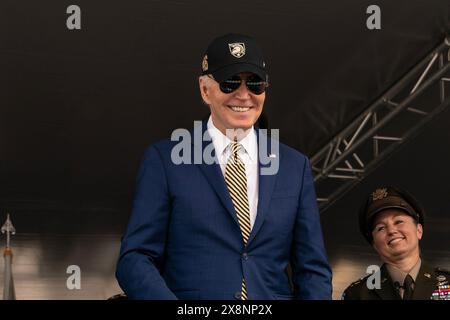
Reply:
x=441, y=278
x=442, y=292
x=237, y=49
x=379, y=194
x=205, y=63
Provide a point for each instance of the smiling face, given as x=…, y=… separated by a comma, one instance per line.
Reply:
x=396, y=235
x=239, y=109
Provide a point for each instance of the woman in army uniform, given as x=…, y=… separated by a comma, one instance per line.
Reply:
x=392, y=221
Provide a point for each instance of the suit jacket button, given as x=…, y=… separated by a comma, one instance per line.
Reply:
x=245, y=256
x=238, y=296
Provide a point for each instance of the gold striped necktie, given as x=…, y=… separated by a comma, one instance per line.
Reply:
x=236, y=182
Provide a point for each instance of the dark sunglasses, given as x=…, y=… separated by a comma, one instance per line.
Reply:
x=254, y=84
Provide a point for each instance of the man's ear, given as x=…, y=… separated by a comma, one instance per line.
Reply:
x=204, y=89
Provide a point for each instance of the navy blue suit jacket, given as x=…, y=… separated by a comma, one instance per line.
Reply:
x=183, y=239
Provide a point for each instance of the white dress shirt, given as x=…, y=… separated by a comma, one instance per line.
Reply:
x=248, y=154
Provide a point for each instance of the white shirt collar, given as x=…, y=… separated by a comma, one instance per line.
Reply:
x=221, y=141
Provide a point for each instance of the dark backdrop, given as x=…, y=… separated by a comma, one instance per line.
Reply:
x=78, y=107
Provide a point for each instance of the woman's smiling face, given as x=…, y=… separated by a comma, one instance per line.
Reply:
x=396, y=235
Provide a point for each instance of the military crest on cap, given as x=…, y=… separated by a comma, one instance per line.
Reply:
x=237, y=49
x=205, y=63
x=379, y=194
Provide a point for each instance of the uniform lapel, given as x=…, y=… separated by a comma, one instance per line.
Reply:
x=387, y=291
x=425, y=283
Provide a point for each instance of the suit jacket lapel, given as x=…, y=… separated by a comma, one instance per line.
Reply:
x=425, y=283
x=266, y=186
x=387, y=291
x=215, y=178
x=214, y=175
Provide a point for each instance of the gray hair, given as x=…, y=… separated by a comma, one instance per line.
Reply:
x=207, y=80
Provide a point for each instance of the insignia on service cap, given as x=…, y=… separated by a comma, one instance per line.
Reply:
x=237, y=49
x=379, y=194
x=205, y=63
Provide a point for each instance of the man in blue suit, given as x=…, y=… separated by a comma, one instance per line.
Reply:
x=227, y=228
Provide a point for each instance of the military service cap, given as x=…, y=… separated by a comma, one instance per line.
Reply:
x=383, y=198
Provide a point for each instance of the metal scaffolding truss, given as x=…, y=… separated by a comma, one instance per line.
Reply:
x=391, y=120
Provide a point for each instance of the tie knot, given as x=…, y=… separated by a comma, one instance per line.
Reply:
x=235, y=147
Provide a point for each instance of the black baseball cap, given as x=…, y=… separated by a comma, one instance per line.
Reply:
x=383, y=198
x=231, y=54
